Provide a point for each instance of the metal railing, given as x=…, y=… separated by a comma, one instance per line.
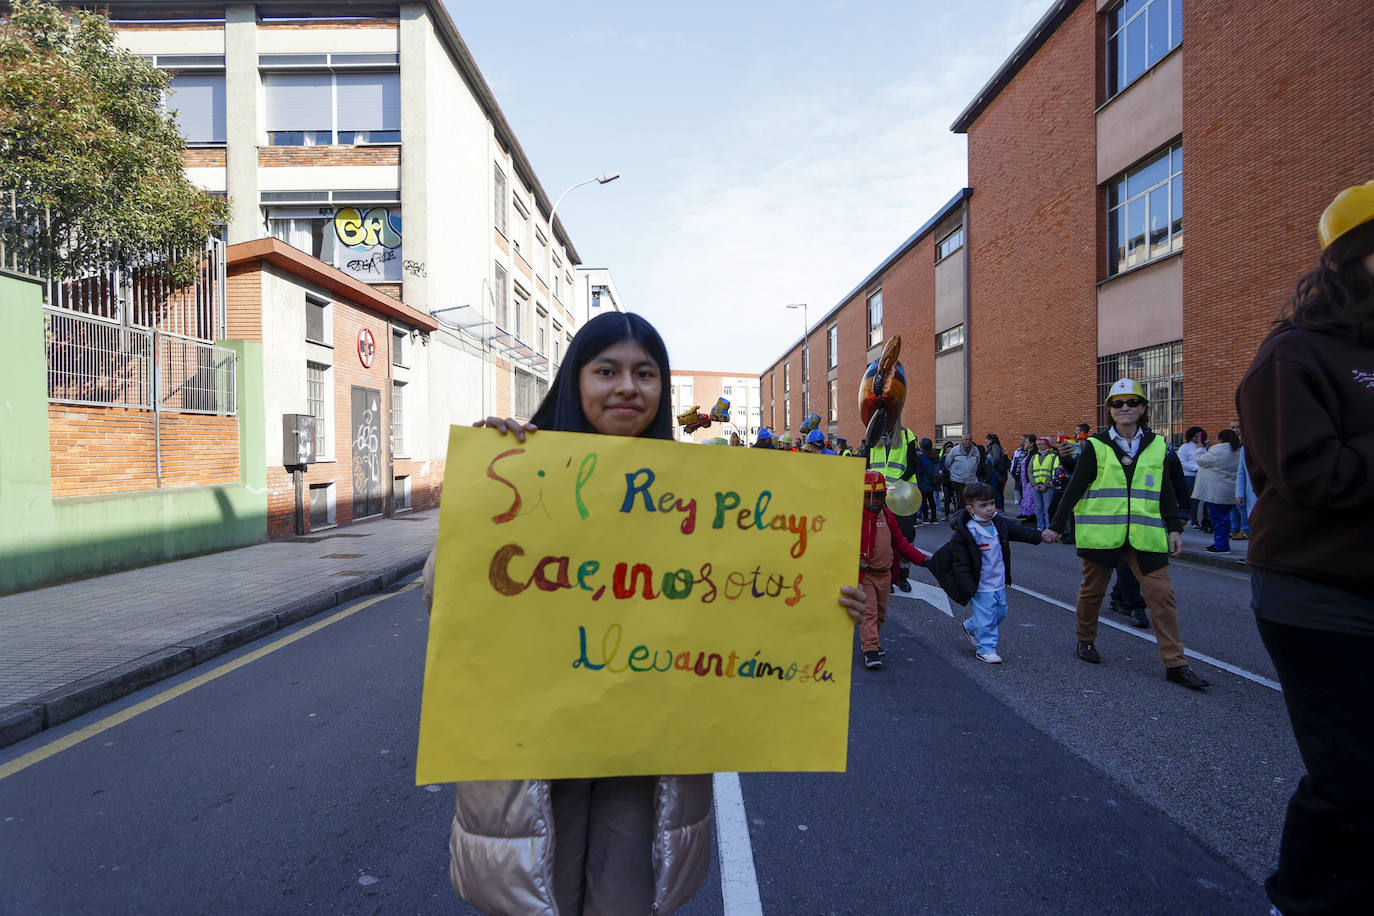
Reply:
x=178, y=291
x=97, y=362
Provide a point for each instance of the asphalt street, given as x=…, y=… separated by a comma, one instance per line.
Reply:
x=280, y=779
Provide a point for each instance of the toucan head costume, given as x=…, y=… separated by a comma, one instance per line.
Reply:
x=882, y=393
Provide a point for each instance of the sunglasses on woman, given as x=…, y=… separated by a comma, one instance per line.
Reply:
x=1126, y=402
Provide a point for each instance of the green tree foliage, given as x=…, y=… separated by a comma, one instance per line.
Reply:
x=83, y=135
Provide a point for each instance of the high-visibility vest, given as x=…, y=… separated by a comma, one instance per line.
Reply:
x=892, y=462
x=1043, y=471
x=1113, y=510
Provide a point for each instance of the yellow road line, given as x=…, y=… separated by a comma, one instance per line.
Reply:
x=109, y=722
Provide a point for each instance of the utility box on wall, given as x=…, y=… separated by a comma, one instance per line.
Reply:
x=298, y=439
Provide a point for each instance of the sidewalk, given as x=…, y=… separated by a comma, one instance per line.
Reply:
x=68, y=649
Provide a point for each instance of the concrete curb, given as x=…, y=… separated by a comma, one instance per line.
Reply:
x=24, y=720
x=1231, y=561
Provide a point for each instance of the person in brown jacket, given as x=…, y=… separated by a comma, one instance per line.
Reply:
x=1307, y=406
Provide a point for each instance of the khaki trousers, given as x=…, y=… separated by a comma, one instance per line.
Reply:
x=876, y=585
x=1158, y=590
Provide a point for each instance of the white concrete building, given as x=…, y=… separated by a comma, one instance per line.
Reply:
x=596, y=292
x=364, y=134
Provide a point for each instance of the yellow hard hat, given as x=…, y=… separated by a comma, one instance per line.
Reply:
x=1126, y=388
x=1350, y=208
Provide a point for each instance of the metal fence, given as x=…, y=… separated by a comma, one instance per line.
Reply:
x=178, y=291
x=97, y=362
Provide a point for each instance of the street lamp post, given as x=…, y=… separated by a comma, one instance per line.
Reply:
x=806, y=359
x=603, y=178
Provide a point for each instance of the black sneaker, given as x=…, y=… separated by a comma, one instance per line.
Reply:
x=1116, y=605
x=1088, y=653
x=872, y=662
x=882, y=653
x=1139, y=620
x=1212, y=548
x=904, y=585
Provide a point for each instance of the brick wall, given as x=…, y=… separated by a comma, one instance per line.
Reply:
x=1034, y=238
x=380, y=22
x=204, y=157
x=288, y=156
x=852, y=327
x=243, y=302
x=97, y=450
x=1276, y=120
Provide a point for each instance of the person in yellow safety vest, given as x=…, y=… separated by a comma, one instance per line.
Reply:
x=1124, y=497
x=895, y=458
x=1044, y=464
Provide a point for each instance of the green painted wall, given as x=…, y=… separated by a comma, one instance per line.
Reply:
x=43, y=540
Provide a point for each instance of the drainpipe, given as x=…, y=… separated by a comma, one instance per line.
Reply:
x=157, y=405
x=389, y=486
x=968, y=328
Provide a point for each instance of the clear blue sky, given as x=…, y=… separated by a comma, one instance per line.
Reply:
x=770, y=152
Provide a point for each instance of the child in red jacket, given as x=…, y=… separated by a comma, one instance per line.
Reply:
x=880, y=547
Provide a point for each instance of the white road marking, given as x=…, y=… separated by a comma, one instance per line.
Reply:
x=739, y=885
x=930, y=594
x=1148, y=637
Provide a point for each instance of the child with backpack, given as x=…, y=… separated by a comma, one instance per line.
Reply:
x=974, y=567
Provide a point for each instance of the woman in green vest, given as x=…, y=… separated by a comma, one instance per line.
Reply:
x=1124, y=499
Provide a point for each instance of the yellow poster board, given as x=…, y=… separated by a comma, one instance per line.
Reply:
x=609, y=606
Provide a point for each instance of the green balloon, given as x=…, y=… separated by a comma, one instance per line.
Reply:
x=903, y=498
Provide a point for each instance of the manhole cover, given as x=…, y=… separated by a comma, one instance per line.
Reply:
x=342, y=556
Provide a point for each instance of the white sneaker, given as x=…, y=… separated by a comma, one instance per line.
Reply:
x=992, y=658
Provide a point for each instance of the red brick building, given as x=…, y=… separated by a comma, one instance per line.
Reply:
x=340, y=350
x=1108, y=125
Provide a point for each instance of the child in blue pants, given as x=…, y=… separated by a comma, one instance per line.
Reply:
x=974, y=568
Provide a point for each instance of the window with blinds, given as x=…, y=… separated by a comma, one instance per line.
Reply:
x=198, y=100
x=315, y=109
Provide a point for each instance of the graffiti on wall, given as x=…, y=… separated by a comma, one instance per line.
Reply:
x=370, y=242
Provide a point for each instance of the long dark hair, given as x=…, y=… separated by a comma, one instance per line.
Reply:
x=1230, y=438
x=561, y=409
x=1338, y=296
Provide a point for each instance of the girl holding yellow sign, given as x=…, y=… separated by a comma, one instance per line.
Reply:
x=631, y=844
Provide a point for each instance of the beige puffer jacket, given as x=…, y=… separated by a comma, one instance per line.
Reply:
x=501, y=845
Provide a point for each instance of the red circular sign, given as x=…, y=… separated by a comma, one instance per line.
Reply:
x=367, y=348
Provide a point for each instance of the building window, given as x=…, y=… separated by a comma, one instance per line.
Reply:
x=557, y=338
x=1159, y=370
x=198, y=100
x=529, y=392
x=316, y=320
x=398, y=419
x=875, y=318
x=727, y=391
x=521, y=238
x=363, y=242
x=948, y=340
x=949, y=432
x=786, y=378
x=541, y=340
x=521, y=301
x=834, y=400
x=400, y=348
x=400, y=492
x=1139, y=34
x=318, y=109
x=950, y=244
x=501, y=295
x=498, y=204
x=319, y=403
x=1145, y=212
x=321, y=505
x=832, y=346
x=787, y=415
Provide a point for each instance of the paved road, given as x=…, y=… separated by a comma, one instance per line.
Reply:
x=285, y=784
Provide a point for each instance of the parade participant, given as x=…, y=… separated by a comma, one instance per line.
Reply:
x=1043, y=465
x=1124, y=490
x=895, y=457
x=815, y=443
x=880, y=544
x=1307, y=406
x=925, y=481
x=1194, y=442
x=844, y=449
x=635, y=844
x=1215, y=487
x=764, y=439
x=965, y=462
x=979, y=566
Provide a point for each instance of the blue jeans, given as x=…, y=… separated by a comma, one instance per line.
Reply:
x=1221, y=525
x=986, y=611
x=1239, y=521
x=1042, y=499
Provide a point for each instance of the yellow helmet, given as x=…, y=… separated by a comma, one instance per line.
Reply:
x=1350, y=208
x=1126, y=388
